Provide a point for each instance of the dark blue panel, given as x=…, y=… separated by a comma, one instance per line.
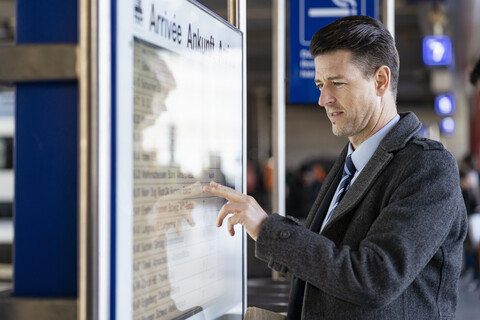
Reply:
x=52, y=21
x=45, y=250
x=45, y=257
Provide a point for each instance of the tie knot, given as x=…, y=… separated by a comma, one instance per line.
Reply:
x=349, y=166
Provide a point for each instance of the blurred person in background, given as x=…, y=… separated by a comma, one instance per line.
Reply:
x=475, y=77
x=304, y=188
x=470, y=247
x=469, y=168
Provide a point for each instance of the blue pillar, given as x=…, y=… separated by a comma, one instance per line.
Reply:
x=46, y=152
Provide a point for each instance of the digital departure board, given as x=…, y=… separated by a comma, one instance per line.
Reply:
x=179, y=126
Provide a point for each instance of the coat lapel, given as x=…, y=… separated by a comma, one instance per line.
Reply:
x=361, y=185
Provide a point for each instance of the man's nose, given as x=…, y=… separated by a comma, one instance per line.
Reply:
x=326, y=98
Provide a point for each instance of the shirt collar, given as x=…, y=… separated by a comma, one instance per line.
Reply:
x=365, y=151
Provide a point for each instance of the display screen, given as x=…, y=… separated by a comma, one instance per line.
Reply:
x=187, y=126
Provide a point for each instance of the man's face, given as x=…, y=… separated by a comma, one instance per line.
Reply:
x=349, y=98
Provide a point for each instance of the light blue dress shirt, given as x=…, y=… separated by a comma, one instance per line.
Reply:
x=362, y=155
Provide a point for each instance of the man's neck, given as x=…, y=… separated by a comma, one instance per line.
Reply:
x=383, y=119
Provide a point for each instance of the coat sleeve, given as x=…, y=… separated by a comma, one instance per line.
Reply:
x=410, y=228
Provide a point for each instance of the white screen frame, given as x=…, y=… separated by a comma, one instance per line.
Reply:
x=125, y=33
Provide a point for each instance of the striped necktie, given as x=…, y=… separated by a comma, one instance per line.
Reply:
x=347, y=175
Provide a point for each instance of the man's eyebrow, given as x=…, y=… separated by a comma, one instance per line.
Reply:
x=330, y=78
x=336, y=77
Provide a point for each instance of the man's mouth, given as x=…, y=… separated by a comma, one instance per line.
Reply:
x=334, y=114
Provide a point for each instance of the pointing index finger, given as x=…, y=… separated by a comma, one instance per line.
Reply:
x=224, y=192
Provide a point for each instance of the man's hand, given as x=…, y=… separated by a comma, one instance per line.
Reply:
x=244, y=209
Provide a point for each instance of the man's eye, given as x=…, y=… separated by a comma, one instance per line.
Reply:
x=319, y=86
x=337, y=84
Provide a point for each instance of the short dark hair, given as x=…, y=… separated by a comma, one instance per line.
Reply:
x=370, y=43
x=475, y=74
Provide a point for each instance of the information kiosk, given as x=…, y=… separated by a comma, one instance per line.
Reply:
x=178, y=124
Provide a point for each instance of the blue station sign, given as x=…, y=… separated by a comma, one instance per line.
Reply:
x=437, y=51
x=306, y=17
x=444, y=105
x=447, y=126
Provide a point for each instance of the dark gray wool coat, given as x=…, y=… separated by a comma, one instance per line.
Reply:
x=393, y=248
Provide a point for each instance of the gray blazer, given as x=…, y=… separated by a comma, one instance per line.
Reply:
x=392, y=249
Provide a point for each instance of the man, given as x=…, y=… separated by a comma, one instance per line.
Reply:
x=391, y=248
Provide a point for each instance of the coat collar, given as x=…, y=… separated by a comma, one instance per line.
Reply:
x=395, y=140
x=401, y=133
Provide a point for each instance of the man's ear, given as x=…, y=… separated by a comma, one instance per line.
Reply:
x=382, y=80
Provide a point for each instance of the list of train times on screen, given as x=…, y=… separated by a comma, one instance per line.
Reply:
x=187, y=131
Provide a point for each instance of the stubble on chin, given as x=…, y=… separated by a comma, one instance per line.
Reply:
x=337, y=131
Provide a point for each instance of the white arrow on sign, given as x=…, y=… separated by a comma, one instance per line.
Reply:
x=344, y=8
